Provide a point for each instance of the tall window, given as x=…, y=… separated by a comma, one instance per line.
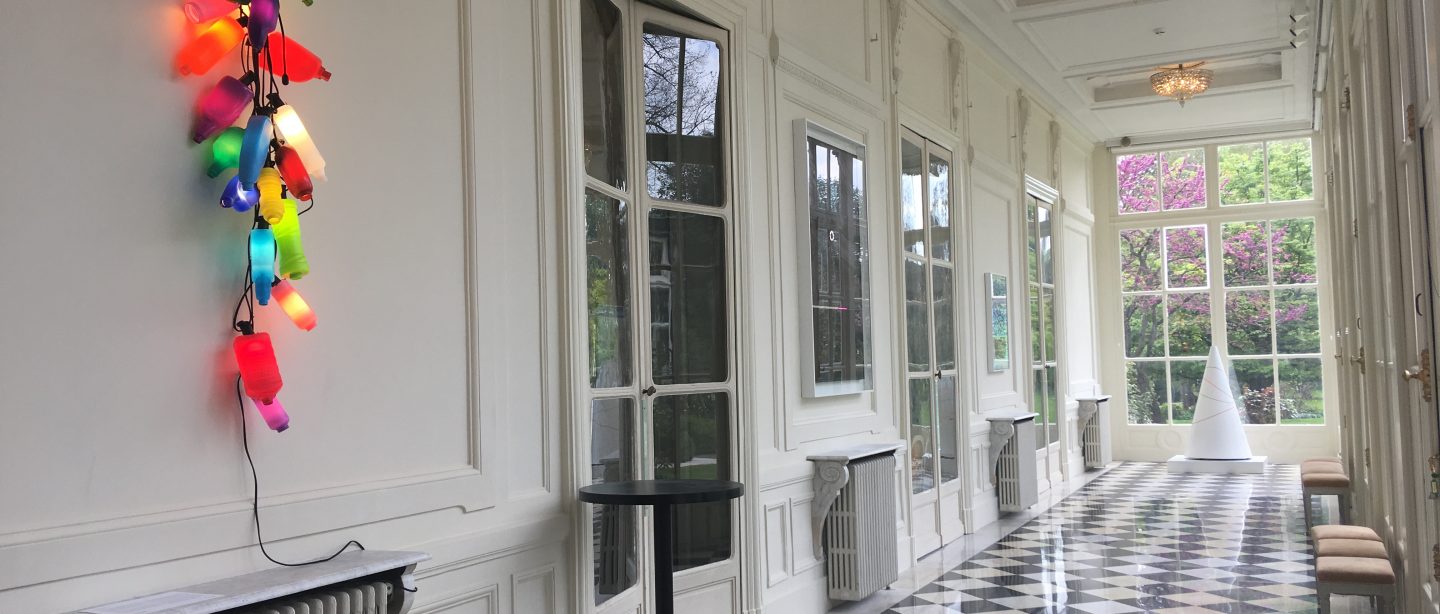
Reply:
x=1246, y=282
x=1040, y=247
x=929, y=312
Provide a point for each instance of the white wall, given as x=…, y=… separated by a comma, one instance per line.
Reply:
x=123, y=469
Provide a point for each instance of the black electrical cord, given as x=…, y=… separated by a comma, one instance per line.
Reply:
x=255, y=499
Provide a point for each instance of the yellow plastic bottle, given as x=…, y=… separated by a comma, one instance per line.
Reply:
x=272, y=206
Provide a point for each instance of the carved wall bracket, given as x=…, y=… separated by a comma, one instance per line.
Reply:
x=832, y=473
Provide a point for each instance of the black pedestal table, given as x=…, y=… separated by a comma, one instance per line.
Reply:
x=661, y=494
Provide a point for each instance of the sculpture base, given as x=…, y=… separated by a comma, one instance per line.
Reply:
x=1180, y=464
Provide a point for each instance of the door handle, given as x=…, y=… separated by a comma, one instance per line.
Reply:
x=1359, y=360
x=649, y=392
x=1421, y=373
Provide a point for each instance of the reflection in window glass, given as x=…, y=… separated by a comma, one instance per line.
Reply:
x=944, y=287
x=692, y=442
x=922, y=435
x=612, y=459
x=1185, y=255
x=940, y=206
x=838, y=260
x=948, y=447
x=1183, y=182
x=1289, y=165
x=1242, y=174
x=912, y=203
x=684, y=161
x=687, y=298
x=607, y=272
x=917, y=309
x=602, y=58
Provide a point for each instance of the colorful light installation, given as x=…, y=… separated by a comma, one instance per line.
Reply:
x=275, y=165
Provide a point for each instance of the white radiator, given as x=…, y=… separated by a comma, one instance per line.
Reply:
x=860, y=555
x=1095, y=445
x=1015, y=473
x=366, y=598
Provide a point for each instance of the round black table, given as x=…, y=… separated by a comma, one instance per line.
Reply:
x=661, y=494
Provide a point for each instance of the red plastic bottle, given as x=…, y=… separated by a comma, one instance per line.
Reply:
x=258, y=369
x=293, y=59
x=200, y=55
x=292, y=170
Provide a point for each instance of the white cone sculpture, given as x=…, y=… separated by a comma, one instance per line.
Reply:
x=1217, y=433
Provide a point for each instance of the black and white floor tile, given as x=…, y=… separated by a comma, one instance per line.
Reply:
x=1139, y=539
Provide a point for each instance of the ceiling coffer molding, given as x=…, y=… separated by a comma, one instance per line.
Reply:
x=898, y=12
x=957, y=84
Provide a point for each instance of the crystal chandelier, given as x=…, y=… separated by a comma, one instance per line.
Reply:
x=1181, y=82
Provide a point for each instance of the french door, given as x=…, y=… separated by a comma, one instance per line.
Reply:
x=1046, y=400
x=659, y=292
x=929, y=257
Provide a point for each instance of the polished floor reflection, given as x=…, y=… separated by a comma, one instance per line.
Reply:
x=1139, y=539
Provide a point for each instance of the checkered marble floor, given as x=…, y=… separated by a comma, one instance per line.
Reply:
x=1139, y=539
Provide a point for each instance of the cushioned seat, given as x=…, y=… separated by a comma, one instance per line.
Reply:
x=1322, y=466
x=1325, y=480
x=1361, y=548
x=1321, y=459
x=1343, y=531
x=1354, y=570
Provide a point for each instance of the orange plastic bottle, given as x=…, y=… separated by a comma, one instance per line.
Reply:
x=200, y=55
x=292, y=59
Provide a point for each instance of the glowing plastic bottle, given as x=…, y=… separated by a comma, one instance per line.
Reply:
x=272, y=205
x=274, y=414
x=220, y=106
x=200, y=55
x=292, y=170
x=294, y=305
x=262, y=263
x=256, y=358
x=206, y=11
x=237, y=197
x=254, y=148
x=293, y=60
x=264, y=14
x=291, y=131
x=287, y=239
x=225, y=151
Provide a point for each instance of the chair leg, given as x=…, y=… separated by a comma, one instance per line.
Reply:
x=1344, y=501
x=1308, y=517
x=1323, y=597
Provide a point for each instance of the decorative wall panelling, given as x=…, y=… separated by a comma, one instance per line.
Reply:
x=402, y=415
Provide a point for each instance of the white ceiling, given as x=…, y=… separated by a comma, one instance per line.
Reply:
x=1095, y=58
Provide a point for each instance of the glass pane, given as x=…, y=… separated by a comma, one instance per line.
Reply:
x=1032, y=250
x=1183, y=182
x=1185, y=377
x=1140, y=264
x=949, y=427
x=1247, y=254
x=1294, y=242
x=1145, y=392
x=917, y=323
x=1247, y=321
x=683, y=121
x=1297, y=321
x=922, y=452
x=1144, y=326
x=1036, y=354
x=1138, y=178
x=940, y=206
x=612, y=459
x=602, y=59
x=838, y=260
x=607, y=273
x=1047, y=305
x=1301, y=395
x=1242, y=174
x=1040, y=404
x=1185, y=254
x=1045, y=245
x=1256, y=379
x=688, y=331
x=912, y=203
x=1290, y=173
x=944, y=317
x=1189, y=323
x=1052, y=404
x=692, y=441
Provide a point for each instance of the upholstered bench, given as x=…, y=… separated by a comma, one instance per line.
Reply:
x=1324, y=477
x=1350, y=575
x=1343, y=531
